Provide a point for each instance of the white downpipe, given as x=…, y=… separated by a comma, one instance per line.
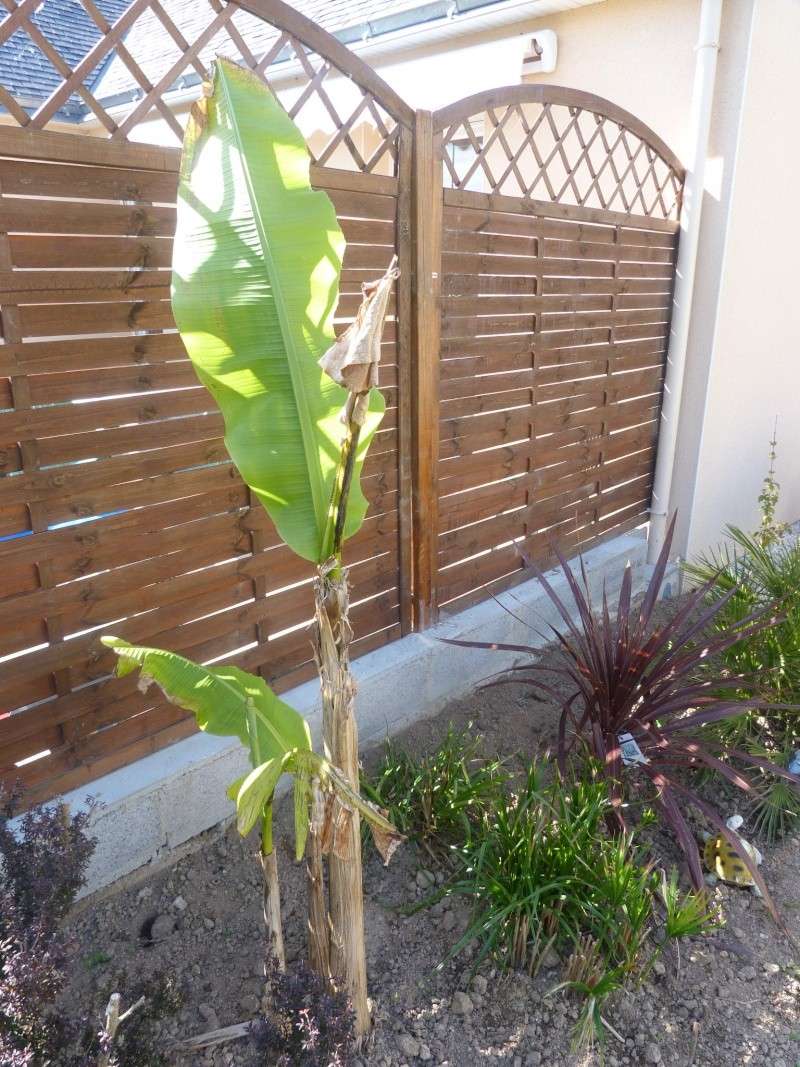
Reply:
x=700, y=121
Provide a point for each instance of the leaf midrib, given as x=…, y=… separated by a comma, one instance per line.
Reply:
x=313, y=465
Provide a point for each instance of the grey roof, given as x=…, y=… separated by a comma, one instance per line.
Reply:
x=27, y=73
x=31, y=77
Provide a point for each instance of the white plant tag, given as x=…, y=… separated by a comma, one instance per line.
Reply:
x=631, y=753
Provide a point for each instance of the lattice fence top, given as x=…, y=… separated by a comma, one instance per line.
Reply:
x=558, y=145
x=129, y=71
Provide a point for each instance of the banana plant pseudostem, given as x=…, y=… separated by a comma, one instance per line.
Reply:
x=256, y=266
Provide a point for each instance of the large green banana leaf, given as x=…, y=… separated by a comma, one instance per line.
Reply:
x=224, y=700
x=256, y=266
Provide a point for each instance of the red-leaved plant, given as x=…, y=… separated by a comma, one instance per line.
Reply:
x=656, y=682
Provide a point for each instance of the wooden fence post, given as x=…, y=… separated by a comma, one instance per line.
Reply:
x=426, y=213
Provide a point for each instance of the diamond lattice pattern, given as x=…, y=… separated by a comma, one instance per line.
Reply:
x=137, y=80
x=563, y=154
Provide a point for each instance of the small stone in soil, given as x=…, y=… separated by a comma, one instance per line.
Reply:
x=249, y=1004
x=461, y=1004
x=162, y=926
x=408, y=1045
x=426, y=879
x=208, y=1014
x=551, y=959
x=652, y=1054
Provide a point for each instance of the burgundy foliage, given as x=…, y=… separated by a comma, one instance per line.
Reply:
x=626, y=674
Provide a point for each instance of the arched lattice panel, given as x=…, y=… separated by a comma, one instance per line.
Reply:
x=129, y=71
x=558, y=249
x=120, y=511
x=561, y=147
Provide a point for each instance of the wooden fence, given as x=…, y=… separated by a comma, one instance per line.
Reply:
x=522, y=365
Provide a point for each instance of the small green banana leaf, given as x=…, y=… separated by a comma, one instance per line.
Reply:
x=224, y=700
x=231, y=702
x=256, y=265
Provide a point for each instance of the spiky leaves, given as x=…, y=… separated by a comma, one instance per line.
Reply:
x=255, y=282
x=627, y=673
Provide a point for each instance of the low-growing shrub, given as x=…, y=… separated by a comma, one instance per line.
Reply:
x=439, y=797
x=43, y=866
x=308, y=1025
x=145, y=1002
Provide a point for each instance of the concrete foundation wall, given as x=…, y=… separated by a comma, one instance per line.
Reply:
x=159, y=803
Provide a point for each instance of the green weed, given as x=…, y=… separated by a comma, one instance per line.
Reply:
x=439, y=798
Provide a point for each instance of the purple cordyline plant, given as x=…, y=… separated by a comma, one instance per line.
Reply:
x=626, y=674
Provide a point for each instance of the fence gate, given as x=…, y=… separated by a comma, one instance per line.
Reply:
x=522, y=361
x=546, y=272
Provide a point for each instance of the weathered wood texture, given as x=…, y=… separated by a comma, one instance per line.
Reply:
x=120, y=511
x=553, y=338
x=558, y=256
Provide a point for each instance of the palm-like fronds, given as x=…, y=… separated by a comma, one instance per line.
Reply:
x=757, y=576
x=628, y=674
x=760, y=575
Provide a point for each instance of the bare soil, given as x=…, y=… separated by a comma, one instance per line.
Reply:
x=730, y=999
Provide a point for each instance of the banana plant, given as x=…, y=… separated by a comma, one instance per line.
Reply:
x=230, y=702
x=256, y=266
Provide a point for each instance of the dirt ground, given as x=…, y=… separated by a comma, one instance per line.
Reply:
x=731, y=999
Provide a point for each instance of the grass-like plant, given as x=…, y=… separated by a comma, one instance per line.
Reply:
x=653, y=684
x=685, y=914
x=438, y=798
x=748, y=574
x=544, y=872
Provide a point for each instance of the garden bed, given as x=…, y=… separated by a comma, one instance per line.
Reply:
x=730, y=999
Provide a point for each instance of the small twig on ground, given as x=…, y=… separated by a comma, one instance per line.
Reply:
x=695, y=1040
x=212, y=1037
x=611, y=1029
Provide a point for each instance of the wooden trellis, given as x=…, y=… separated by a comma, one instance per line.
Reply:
x=536, y=230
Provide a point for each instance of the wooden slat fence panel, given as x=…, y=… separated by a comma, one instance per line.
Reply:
x=558, y=254
x=120, y=509
x=550, y=392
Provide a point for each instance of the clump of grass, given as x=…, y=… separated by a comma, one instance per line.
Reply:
x=544, y=873
x=439, y=798
x=686, y=914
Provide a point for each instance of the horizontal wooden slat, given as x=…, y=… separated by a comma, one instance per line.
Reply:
x=553, y=340
x=141, y=523
x=518, y=206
